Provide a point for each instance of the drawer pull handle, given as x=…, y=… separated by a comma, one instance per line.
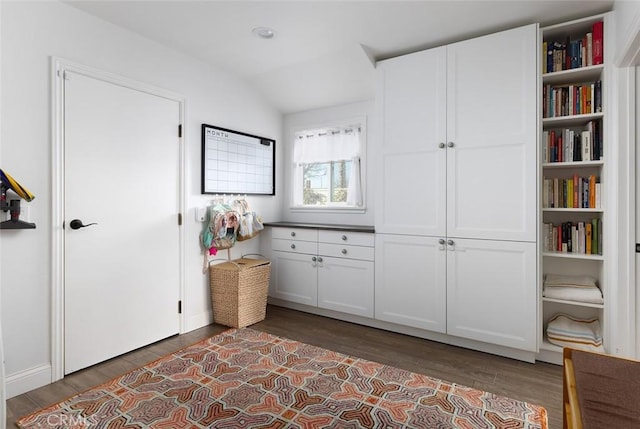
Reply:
x=293, y=246
x=293, y=233
x=344, y=251
x=344, y=238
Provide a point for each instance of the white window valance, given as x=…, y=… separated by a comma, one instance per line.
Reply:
x=327, y=145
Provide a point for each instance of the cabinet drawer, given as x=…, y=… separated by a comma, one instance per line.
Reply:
x=301, y=234
x=294, y=246
x=345, y=237
x=344, y=251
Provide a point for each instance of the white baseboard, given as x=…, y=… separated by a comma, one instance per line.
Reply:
x=27, y=380
x=509, y=352
x=198, y=321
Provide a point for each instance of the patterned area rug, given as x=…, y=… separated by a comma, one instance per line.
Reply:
x=248, y=379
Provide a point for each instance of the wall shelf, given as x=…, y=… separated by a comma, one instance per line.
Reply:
x=17, y=224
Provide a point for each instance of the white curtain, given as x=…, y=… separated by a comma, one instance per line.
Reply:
x=326, y=145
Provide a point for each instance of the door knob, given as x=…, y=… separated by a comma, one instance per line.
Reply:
x=450, y=144
x=77, y=224
x=450, y=242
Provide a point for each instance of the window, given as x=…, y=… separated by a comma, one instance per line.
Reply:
x=327, y=165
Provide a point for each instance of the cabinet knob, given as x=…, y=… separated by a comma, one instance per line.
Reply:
x=441, y=241
x=344, y=251
x=344, y=238
x=441, y=145
x=293, y=246
x=313, y=258
x=293, y=233
x=450, y=242
x=319, y=258
x=450, y=144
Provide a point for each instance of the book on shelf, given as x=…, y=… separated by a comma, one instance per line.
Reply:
x=597, y=95
x=574, y=237
x=573, y=145
x=586, y=145
x=567, y=54
x=598, y=42
x=575, y=192
x=571, y=99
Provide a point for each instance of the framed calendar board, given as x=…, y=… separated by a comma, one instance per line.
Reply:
x=234, y=162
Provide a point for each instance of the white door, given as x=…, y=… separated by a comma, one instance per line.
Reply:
x=121, y=284
x=491, y=123
x=410, y=281
x=2, y=385
x=411, y=166
x=491, y=292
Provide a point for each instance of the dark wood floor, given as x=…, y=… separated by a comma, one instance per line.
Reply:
x=538, y=383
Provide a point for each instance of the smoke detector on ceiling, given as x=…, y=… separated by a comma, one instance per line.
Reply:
x=263, y=32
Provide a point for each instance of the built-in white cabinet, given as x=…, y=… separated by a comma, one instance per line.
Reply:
x=491, y=293
x=456, y=202
x=412, y=156
x=411, y=281
x=321, y=268
x=457, y=153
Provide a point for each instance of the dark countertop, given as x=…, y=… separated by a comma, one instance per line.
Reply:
x=351, y=228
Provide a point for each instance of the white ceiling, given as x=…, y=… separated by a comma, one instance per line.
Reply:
x=323, y=51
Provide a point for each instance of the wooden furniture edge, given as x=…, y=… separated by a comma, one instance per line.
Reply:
x=571, y=418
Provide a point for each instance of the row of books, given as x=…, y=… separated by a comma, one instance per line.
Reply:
x=567, y=145
x=571, y=99
x=574, y=237
x=570, y=54
x=575, y=192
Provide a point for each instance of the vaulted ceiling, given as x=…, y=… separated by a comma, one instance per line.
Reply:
x=323, y=52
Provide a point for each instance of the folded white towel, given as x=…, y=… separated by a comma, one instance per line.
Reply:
x=591, y=295
x=559, y=280
x=583, y=334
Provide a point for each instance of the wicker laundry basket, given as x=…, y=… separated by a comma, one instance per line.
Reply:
x=239, y=291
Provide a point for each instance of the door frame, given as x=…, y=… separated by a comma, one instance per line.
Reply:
x=58, y=68
x=628, y=299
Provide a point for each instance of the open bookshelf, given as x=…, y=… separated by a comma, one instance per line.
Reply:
x=573, y=152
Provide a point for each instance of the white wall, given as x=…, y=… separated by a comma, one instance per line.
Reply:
x=2, y=377
x=318, y=118
x=627, y=24
x=32, y=32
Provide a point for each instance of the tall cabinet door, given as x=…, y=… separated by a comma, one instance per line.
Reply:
x=410, y=287
x=410, y=162
x=491, y=292
x=491, y=122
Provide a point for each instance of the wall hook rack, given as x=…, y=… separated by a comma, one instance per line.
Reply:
x=9, y=183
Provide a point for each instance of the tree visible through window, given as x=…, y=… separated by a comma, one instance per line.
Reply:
x=327, y=165
x=326, y=182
